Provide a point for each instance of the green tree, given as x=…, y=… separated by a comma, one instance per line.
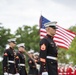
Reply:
x=4, y=36
x=62, y=56
x=72, y=49
x=29, y=36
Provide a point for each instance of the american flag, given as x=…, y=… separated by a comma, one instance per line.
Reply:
x=62, y=38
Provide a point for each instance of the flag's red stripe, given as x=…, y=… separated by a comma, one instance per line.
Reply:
x=61, y=44
x=61, y=39
x=63, y=32
x=68, y=32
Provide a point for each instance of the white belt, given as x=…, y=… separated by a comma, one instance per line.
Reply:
x=21, y=64
x=11, y=61
x=51, y=57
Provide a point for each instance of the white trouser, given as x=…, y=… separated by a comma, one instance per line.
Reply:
x=44, y=73
x=5, y=73
x=17, y=74
x=11, y=74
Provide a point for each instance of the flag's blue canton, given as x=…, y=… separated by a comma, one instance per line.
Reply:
x=43, y=21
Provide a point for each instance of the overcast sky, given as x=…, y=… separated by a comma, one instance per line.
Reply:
x=16, y=13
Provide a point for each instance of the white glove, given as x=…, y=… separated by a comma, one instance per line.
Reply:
x=44, y=73
x=5, y=73
x=17, y=74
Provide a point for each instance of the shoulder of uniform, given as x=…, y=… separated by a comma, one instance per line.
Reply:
x=44, y=40
x=5, y=53
x=7, y=50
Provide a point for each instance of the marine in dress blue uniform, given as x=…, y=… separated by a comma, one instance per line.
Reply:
x=32, y=64
x=20, y=60
x=9, y=67
x=48, y=51
x=36, y=58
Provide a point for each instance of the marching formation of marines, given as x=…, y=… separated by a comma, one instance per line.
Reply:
x=14, y=62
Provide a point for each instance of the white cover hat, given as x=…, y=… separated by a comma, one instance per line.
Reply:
x=50, y=24
x=21, y=45
x=36, y=53
x=31, y=51
x=12, y=40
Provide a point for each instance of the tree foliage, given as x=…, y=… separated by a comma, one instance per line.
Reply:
x=29, y=36
x=72, y=49
x=4, y=36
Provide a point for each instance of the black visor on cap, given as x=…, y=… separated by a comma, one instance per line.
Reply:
x=22, y=46
x=54, y=27
x=13, y=42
